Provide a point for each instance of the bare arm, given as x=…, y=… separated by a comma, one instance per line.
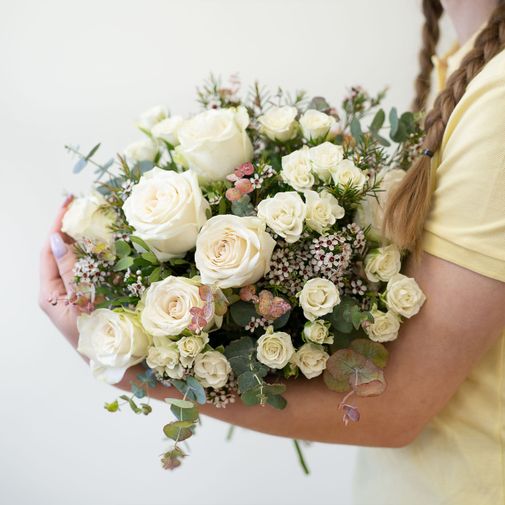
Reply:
x=435, y=351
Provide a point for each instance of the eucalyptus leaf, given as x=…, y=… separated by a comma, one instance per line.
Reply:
x=178, y=430
x=185, y=414
x=277, y=401
x=183, y=404
x=122, y=248
x=123, y=264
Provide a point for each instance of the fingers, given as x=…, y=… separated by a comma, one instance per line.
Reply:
x=59, y=217
x=64, y=258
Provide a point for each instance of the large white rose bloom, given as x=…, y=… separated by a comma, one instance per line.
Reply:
x=318, y=297
x=323, y=210
x=142, y=150
x=274, y=349
x=404, y=296
x=385, y=326
x=297, y=170
x=212, y=369
x=284, y=213
x=348, y=174
x=86, y=218
x=167, y=210
x=316, y=124
x=382, y=263
x=311, y=359
x=279, y=123
x=233, y=251
x=113, y=341
x=167, y=129
x=165, y=306
x=325, y=159
x=164, y=357
x=214, y=142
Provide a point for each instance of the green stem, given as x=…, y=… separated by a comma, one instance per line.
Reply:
x=231, y=430
x=301, y=459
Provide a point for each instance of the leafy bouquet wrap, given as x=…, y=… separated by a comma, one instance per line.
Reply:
x=239, y=249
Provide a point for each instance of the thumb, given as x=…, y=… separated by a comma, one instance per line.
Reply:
x=65, y=260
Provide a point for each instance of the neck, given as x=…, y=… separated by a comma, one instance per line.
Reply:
x=467, y=16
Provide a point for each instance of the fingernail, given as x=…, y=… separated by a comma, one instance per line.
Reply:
x=58, y=247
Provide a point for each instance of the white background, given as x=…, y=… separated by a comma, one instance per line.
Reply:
x=81, y=72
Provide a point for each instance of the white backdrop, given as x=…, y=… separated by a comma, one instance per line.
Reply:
x=81, y=72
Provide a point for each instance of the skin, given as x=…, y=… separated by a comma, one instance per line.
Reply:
x=434, y=353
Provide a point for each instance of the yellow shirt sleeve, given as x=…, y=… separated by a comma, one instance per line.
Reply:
x=466, y=223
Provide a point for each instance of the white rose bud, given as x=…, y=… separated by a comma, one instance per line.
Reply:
x=167, y=129
x=284, y=213
x=316, y=125
x=142, y=150
x=213, y=143
x=87, y=218
x=153, y=116
x=325, y=159
x=212, y=369
x=164, y=357
x=385, y=326
x=165, y=306
x=297, y=170
x=191, y=346
x=323, y=210
x=233, y=251
x=311, y=360
x=113, y=341
x=167, y=210
x=274, y=349
x=348, y=174
x=404, y=296
x=318, y=332
x=279, y=123
x=382, y=263
x=318, y=297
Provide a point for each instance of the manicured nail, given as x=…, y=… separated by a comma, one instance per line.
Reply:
x=58, y=247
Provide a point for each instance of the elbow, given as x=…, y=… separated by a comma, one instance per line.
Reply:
x=402, y=434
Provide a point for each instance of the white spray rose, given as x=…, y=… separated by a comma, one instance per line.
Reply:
x=113, y=341
x=385, y=326
x=279, y=123
x=142, y=150
x=233, y=251
x=165, y=306
x=284, y=213
x=213, y=143
x=311, y=360
x=318, y=297
x=318, y=332
x=86, y=218
x=274, y=349
x=212, y=369
x=167, y=129
x=297, y=169
x=164, y=357
x=348, y=174
x=191, y=346
x=382, y=263
x=325, y=159
x=323, y=210
x=404, y=296
x=153, y=116
x=316, y=124
x=167, y=210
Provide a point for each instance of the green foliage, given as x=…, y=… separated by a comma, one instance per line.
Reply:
x=347, y=316
x=178, y=430
x=191, y=389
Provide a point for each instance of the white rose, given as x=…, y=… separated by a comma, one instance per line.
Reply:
x=323, y=210
x=142, y=150
x=316, y=125
x=382, y=263
x=279, y=123
x=233, y=251
x=311, y=360
x=385, y=326
x=348, y=174
x=113, y=341
x=167, y=129
x=212, y=369
x=297, y=169
x=165, y=306
x=404, y=296
x=274, y=349
x=191, y=346
x=318, y=297
x=164, y=358
x=153, y=116
x=284, y=214
x=86, y=218
x=167, y=210
x=318, y=332
x=214, y=142
x=325, y=159
x=371, y=211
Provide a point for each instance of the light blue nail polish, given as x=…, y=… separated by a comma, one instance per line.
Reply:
x=58, y=247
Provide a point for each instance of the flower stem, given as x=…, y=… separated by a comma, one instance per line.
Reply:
x=301, y=459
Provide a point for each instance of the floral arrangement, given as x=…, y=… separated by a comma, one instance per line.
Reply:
x=240, y=247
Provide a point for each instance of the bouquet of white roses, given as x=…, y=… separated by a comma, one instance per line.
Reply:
x=238, y=248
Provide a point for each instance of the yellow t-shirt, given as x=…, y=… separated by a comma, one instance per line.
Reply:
x=459, y=458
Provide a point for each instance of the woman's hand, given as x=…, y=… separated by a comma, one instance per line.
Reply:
x=56, y=264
